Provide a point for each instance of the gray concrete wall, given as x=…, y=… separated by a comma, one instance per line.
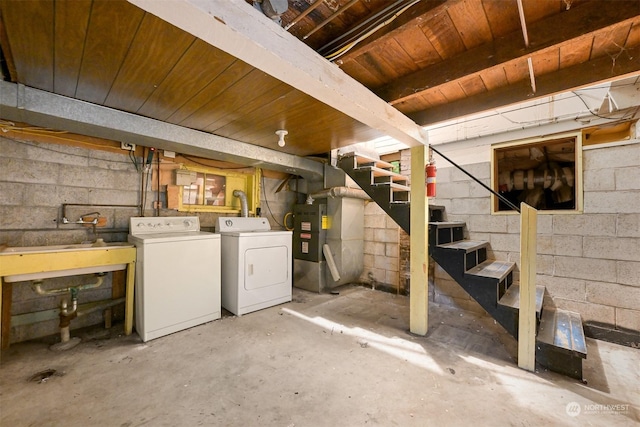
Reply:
x=37, y=178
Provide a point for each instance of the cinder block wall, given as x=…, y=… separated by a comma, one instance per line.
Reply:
x=381, y=250
x=37, y=178
x=589, y=262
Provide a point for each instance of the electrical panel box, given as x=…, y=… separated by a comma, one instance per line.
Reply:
x=309, y=231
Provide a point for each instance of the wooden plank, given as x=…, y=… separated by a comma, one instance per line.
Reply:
x=30, y=32
x=369, y=61
x=36, y=262
x=243, y=32
x=559, y=29
x=244, y=98
x=546, y=61
x=419, y=260
x=362, y=74
x=156, y=42
x=452, y=91
x=588, y=73
x=5, y=313
x=71, y=23
x=470, y=20
x=112, y=26
x=575, y=52
x=502, y=16
x=472, y=85
x=418, y=47
x=205, y=104
x=443, y=36
x=128, y=310
x=494, y=78
x=186, y=79
x=398, y=62
x=612, y=41
x=421, y=12
x=517, y=70
x=527, y=312
x=118, y=290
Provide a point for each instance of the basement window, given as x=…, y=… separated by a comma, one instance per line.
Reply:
x=200, y=189
x=545, y=173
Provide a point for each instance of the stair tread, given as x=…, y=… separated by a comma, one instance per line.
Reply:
x=377, y=172
x=393, y=186
x=447, y=224
x=362, y=159
x=511, y=298
x=466, y=245
x=492, y=268
x=563, y=329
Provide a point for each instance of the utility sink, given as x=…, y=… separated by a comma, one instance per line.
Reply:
x=46, y=262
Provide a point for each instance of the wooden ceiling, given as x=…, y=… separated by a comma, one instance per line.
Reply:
x=433, y=60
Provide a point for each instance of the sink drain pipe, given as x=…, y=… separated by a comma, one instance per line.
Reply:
x=37, y=287
x=68, y=314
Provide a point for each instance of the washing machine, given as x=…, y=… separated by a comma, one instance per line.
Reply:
x=256, y=264
x=177, y=275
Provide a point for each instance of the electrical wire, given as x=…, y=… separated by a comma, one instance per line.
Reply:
x=374, y=18
x=595, y=114
x=337, y=54
x=211, y=166
x=266, y=201
x=158, y=187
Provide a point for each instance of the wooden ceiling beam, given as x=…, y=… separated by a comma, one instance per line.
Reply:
x=243, y=32
x=588, y=18
x=588, y=73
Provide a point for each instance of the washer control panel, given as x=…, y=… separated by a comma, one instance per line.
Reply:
x=168, y=224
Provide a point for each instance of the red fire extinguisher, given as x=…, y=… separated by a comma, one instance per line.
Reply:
x=431, y=178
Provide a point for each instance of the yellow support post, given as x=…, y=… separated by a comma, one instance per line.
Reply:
x=419, y=263
x=527, y=314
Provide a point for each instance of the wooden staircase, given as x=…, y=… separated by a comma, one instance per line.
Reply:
x=560, y=341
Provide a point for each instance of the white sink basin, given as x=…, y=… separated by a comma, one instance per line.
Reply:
x=54, y=249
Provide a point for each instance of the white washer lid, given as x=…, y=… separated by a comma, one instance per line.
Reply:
x=237, y=224
x=171, y=237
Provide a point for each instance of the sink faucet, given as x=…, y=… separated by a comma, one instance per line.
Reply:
x=80, y=220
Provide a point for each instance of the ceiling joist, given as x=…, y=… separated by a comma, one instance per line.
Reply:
x=587, y=73
x=559, y=30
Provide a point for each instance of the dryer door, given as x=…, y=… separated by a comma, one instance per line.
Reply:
x=266, y=267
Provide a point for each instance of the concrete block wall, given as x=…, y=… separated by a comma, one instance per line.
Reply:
x=589, y=262
x=37, y=178
x=381, y=249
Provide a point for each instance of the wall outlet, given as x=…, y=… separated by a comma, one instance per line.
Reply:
x=128, y=146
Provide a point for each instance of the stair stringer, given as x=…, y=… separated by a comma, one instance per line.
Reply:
x=482, y=290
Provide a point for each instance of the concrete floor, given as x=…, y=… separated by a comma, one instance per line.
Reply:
x=321, y=360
